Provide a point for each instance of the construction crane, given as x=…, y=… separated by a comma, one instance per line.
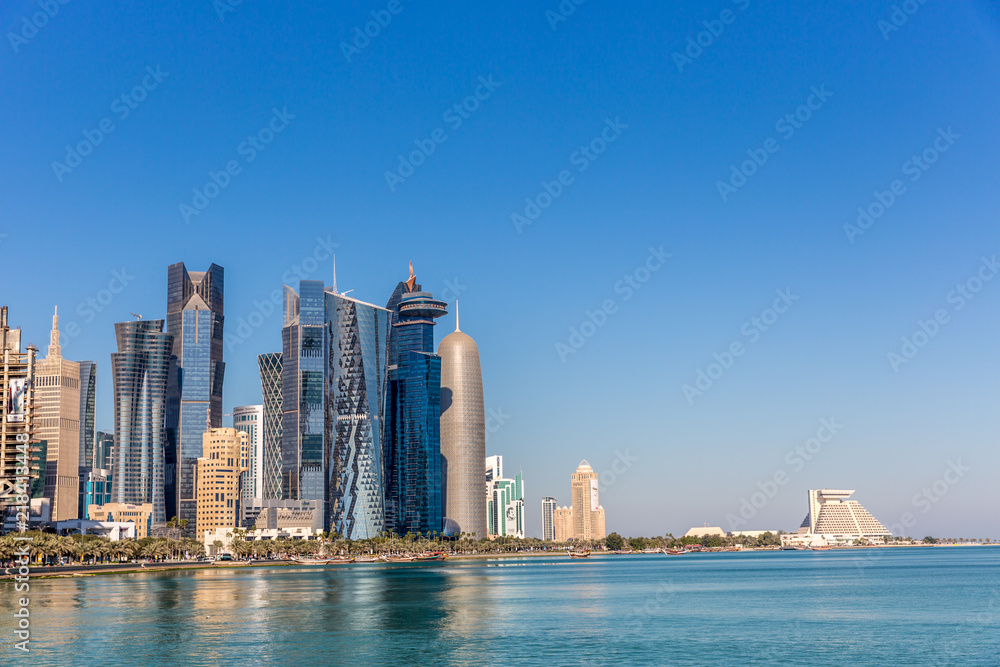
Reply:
x=136, y=316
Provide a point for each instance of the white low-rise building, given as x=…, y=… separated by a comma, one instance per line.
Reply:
x=225, y=536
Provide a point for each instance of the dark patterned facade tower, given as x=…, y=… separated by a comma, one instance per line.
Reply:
x=139, y=373
x=358, y=356
x=194, y=395
x=270, y=384
x=333, y=361
x=412, y=450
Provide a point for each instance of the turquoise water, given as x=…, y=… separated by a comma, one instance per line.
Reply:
x=936, y=606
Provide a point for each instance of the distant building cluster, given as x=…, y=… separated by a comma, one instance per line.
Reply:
x=363, y=427
x=584, y=519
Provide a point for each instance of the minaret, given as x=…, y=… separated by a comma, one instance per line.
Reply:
x=463, y=433
x=55, y=350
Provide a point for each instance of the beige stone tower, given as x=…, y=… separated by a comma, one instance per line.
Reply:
x=57, y=421
x=588, y=515
x=226, y=453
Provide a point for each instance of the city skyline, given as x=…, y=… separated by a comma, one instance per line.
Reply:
x=862, y=312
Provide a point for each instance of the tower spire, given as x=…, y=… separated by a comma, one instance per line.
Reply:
x=456, y=316
x=335, y=274
x=54, y=348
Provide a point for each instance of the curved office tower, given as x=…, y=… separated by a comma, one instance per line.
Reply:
x=139, y=371
x=463, y=433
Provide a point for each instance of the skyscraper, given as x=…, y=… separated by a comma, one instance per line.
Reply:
x=249, y=419
x=88, y=403
x=194, y=394
x=17, y=371
x=504, y=501
x=463, y=433
x=588, y=515
x=303, y=388
x=412, y=451
x=139, y=373
x=270, y=384
x=333, y=366
x=358, y=356
x=57, y=420
x=548, y=518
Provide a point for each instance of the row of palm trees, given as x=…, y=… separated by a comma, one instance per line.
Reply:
x=50, y=549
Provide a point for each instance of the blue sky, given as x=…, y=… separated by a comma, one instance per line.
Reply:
x=680, y=126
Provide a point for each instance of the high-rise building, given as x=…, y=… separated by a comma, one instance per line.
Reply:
x=588, y=515
x=17, y=373
x=88, y=403
x=217, y=478
x=139, y=373
x=563, y=524
x=194, y=394
x=104, y=450
x=412, y=445
x=57, y=421
x=303, y=387
x=504, y=501
x=333, y=366
x=463, y=433
x=250, y=420
x=270, y=384
x=548, y=518
x=358, y=359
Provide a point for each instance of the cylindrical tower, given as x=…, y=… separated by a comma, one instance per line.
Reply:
x=463, y=434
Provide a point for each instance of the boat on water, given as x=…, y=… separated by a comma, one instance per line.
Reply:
x=398, y=559
x=675, y=552
x=431, y=555
x=368, y=559
x=322, y=561
x=579, y=554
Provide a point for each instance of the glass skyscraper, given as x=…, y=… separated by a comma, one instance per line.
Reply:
x=104, y=447
x=270, y=384
x=412, y=459
x=194, y=394
x=139, y=373
x=303, y=375
x=358, y=356
x=88, y=401
x=333, y=364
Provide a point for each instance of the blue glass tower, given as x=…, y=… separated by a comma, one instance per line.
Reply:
x=413, y=433
x=194, y=393
x=303, y=382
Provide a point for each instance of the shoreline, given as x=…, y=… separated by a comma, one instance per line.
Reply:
x=72, y=571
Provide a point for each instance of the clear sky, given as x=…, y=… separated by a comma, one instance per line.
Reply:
x=735, y=139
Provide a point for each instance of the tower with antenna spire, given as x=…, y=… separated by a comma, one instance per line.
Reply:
x=412, y=454
x=463, y=435
x=57, y=407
